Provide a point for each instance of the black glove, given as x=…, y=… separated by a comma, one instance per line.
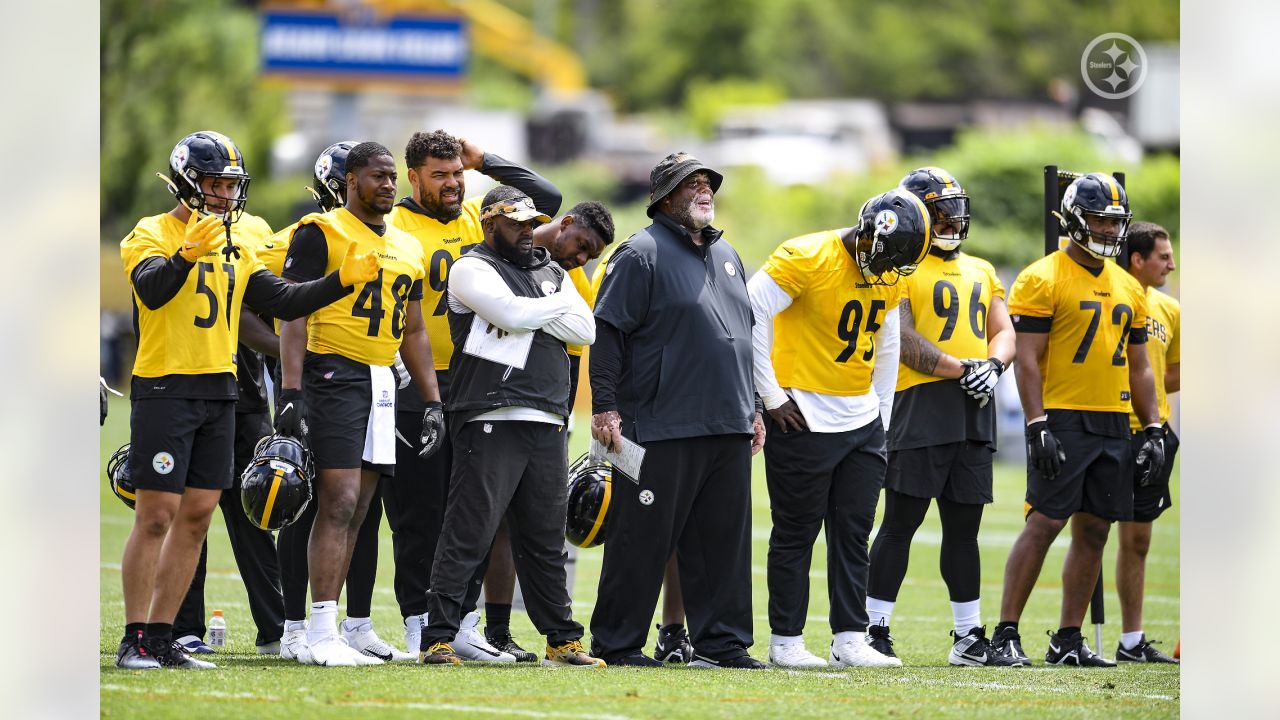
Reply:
x=980, y=378
x=1043, y=449
x=102, y=402
x=432, y=429
x=1150, y=458
x=291, y=419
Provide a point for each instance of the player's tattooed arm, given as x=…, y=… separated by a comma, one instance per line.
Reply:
x=918, y=353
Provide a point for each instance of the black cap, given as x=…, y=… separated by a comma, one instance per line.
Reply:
x=672, y=171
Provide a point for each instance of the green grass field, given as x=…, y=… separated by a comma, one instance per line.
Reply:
x=246, y=684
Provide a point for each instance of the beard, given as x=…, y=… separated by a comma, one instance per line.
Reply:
x=693, y=216
x=440, y=209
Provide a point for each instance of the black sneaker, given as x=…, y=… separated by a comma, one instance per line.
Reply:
x=635, y=659
x=134, y=655
x=1143, y=652
x=1008, y=644
x=503, y=642
x=175, y=656
x=974, y=650
x=739, y=662
x=879, y=638
x=673, y=645
x=1072, y=650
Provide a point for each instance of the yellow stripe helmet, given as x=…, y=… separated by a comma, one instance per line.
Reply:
x=275, y=488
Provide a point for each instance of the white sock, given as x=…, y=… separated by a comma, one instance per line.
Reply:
x=879, y=611
x=355, y=624
x=324, y=621
x=966, y=616
x=1130, y=640
x=291, y=625
x=786, y=639
x=849, y=636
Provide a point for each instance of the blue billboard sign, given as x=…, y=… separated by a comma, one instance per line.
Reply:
x=340, y=44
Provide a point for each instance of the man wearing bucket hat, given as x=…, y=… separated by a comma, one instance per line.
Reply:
x=507, y=409
x=671, y=370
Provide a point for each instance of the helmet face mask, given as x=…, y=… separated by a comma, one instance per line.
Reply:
x=893, y=237
x=329, y=176
x=946, y=201
x=275, y=487
x=201, y=158
x=589, y=495
x=118, y=476
x=1096, y=195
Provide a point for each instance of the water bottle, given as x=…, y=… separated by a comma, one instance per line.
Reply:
x=217, y=630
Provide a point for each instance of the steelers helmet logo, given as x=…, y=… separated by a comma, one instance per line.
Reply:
x=646, y=497
x=886, y=222
x=162, y=463
x=323, y=165
x=729, y=268
x=178, y=160
x=548, y=287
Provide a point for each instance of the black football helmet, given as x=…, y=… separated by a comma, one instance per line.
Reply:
x=1096, y=195
x=892, y=237
x=329, y=178
x=276, y=486
x=946, y=201
x=590, y=490
x=118, y=477
x=207, y=154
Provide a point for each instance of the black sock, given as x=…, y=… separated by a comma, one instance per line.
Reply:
x=497, y=617
x=1002, y=625
x=131, y=630
x=159, y=634
x=672, y=628
x=1068, y=632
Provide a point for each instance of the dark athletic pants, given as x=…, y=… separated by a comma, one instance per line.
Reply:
x=959, y=559
x=818, y=479
x=700, y=507
x=254, y=550
x=518, y=469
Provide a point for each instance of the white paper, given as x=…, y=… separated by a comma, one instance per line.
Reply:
x=510, y=349
x=626, y=461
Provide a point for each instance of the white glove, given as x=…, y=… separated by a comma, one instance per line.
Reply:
x=980, y=378
x=401, y=372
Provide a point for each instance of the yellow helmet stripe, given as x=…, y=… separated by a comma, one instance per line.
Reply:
x=604, y=508
x=126, y=494
x=231, y=150
x=1115, y=189
x=276, y=479
x=928, y=228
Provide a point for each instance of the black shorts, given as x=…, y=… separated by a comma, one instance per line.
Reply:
x=339, y=394
x=177, y=443
x=1096, y=477
x=1151, y=501
x=960, y=472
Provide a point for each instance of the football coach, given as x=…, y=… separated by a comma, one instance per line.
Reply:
x=671, y=370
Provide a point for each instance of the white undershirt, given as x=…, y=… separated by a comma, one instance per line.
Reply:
x=822, y=412
x=476, y=287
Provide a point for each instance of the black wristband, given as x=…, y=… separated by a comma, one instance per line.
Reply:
x=1000, y=367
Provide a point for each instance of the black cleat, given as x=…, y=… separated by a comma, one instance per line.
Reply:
x=635, y=659
x=974, y=650
x=673, y=645
x=503, y=642
x=1143, y=652
x=1008, y=644
x=175, y=656
x=1073, y=650
x=134, y=655
x=740, y=662
x=879, y=638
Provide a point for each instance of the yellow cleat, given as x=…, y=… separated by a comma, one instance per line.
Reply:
x=571, y=654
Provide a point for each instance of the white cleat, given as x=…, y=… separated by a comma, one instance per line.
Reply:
x=859, y=654
x=794, y=655
x=413, y=633
x=471, y=645
x=332, y=651
x=293, y=646
x=364, y=640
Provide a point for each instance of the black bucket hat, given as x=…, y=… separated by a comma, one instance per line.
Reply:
x=672, y=171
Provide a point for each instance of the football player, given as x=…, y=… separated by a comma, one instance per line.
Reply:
x=955, y=326
x=1081, y=327
x=447, y=225
x=1150, y=262
x=826, y=359
x=338, y=388
x=189, y=278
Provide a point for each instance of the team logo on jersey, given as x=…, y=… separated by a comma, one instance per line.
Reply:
x=886, y=222
x=729, y=268
x=646, y=497
x=178, y=160
x=162, y=463
x=548, y=287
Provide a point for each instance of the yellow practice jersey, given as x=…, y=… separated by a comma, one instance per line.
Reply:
x=950, y=300
x=824, y=341
x=583, y=286
x=196, y=332
x=365, y=325
x=273, y=249
x=1089, y=320
x=1164, y=320
x=442, y=245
